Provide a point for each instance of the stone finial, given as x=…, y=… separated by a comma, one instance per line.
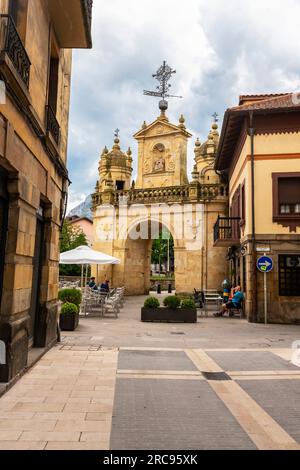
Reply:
x=116, y=145
x=197, y=147
x=195, y=173
x=129, y=156
x=210, y=144
x=214, y=131
x=104, y=151
x=144, y=126
x=182, y=122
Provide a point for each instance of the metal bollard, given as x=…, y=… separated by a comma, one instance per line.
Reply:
x=158, y=288
x=170, y=289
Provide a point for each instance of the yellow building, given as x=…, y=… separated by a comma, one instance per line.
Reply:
x=36, y=38
x=259, y=152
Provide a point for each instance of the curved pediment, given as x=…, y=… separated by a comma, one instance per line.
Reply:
x=160, y=127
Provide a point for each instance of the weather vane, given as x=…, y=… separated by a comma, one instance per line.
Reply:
x=215, y=117
x=163, y=75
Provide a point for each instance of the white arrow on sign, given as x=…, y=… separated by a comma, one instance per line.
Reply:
x=266, y=264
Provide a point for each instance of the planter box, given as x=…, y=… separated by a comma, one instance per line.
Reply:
x=179, y=315
x=69, y=322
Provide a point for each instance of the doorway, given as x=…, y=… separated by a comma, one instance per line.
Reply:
x=37, y=273
x=3, y=225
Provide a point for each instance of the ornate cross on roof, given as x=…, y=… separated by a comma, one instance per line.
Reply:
x=163, y=75
x=117, y=133
x=215, y=117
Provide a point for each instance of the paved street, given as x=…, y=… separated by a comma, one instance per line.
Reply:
x=123, y=384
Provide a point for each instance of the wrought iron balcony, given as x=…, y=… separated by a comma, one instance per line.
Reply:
x=12, y=45
x=52, y=125
x=227, y=231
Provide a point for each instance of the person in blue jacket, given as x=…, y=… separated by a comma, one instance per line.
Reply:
x=235, y=302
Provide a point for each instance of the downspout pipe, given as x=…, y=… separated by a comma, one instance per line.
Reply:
x=251, y=132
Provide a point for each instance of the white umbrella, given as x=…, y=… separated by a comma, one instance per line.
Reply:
x=85, y=255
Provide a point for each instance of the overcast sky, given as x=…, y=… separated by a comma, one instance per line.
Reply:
x=219, y=48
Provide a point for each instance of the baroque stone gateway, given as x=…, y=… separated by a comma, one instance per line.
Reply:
x=127, y=215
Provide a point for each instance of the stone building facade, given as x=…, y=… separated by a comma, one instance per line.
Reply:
x=259, y=153
x=36, y=38
x=127, y=213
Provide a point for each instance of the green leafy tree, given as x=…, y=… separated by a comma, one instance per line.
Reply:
x=71, y=238
x=160, y=249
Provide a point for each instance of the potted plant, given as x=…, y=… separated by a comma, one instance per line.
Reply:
x=73, y=296
x=69, y=317
x=173, y=311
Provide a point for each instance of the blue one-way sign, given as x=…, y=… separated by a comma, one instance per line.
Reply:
x=264, y=264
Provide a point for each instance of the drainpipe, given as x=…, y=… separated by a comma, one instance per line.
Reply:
x=251, y=131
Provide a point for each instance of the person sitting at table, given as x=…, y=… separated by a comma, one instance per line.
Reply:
x=235, y=302
x=92, y=284
x=104, y=286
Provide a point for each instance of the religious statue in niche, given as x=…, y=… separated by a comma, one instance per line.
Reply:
x=159, y=165
x=159, y=160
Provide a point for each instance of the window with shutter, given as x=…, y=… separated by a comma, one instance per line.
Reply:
x=286, y=199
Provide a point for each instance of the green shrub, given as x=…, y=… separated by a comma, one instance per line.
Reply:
x=185, y=296
x=69, y=309
x=151, y=302
x=172, y=302
x=188, y=303
x=72, y=296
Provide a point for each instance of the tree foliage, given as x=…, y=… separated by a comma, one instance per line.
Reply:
x=71, y=237
x=160, y=249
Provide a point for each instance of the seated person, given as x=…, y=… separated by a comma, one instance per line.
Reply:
x=235, y=302
x=92, y=284
x=198, y=298
x=104, y=286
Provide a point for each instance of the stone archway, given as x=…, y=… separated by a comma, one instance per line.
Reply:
x=134, y=253
x=137, y=259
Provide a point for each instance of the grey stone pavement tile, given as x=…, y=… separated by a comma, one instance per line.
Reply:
x=155, y=360
x=280, y=399
x=169, y=415
x=250, y=361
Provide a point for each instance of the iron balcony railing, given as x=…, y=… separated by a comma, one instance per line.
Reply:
x=12, y=45
x=52, y=124
x=227, y=229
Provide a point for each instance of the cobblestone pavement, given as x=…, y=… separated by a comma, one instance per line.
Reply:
x=123, y=384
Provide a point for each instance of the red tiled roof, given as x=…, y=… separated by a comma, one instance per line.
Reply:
x=244, y=98
x=288, y=100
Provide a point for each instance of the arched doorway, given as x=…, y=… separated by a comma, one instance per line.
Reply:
x=149, y=257
x=163, y=261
